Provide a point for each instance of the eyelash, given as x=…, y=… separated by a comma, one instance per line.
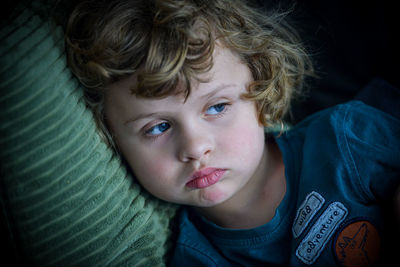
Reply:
x=147, y=134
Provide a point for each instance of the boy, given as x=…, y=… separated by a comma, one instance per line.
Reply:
x=184, y=89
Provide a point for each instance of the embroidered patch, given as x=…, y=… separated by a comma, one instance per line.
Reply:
x=310, y=206
x=312, y=245
x=358, y=244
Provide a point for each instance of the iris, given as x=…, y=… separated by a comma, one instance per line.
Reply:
x=216, y=109
x=158, y=129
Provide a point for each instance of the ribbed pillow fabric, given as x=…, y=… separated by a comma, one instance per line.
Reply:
x=69, y=200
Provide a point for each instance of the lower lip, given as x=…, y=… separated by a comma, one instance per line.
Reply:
x=206, y=180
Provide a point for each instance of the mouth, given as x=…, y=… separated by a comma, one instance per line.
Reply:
x=205, y=178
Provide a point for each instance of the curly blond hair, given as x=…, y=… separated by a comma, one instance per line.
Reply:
x=166, y=42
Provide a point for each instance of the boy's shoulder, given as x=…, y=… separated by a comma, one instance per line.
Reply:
x=352, y=144
x=354, y=121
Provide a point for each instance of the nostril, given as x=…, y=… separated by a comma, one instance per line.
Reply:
x=193, y=153
x=194, y=143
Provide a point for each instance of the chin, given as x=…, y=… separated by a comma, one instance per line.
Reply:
x=212, y=197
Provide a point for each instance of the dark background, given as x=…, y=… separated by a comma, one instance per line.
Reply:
x=351, y=42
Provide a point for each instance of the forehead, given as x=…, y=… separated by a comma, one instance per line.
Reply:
x=227, y=69
x=222, y=59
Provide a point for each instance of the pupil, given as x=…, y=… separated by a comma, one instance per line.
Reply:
x=163, y=126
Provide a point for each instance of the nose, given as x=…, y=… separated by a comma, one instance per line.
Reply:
x=195, y=144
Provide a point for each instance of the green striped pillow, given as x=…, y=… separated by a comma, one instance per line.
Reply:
x=69, y=200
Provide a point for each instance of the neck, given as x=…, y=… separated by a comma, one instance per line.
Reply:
x=256, y=203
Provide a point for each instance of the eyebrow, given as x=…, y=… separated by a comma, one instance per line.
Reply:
x=206, y=96
x=218, y=89
x=140, y=116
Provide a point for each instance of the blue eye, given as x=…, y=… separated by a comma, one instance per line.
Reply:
x=158, y=129
x=216, y=109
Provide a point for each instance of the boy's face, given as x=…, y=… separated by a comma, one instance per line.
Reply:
x=198, y=152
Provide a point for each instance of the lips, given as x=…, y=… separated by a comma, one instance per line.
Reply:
x=205, y=177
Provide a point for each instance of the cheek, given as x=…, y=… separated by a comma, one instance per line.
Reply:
x=151, y=169
x=244, y=140
x=148, y=168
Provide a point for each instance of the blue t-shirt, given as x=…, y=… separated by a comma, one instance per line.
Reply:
x=341, y=164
